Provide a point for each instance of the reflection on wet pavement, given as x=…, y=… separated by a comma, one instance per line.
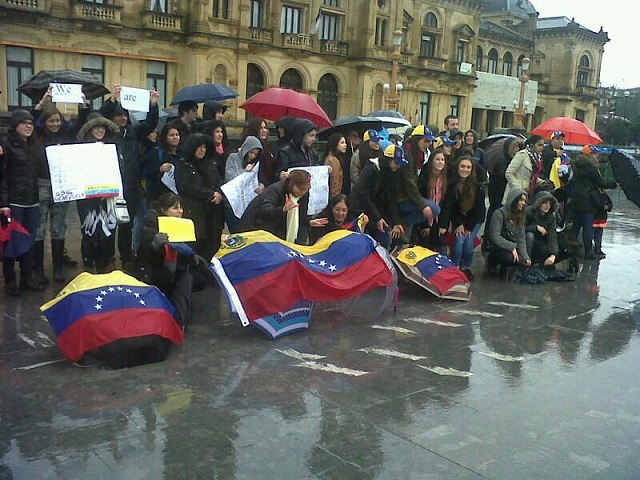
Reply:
x=523, y=381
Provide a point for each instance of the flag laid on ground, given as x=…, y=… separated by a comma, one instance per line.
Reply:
x=94, y=311
x=263, y=275
x=432, y=271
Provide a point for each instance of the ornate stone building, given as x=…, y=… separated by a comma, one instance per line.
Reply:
x=456, y=56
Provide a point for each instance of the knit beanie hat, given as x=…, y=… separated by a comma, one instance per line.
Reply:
x=19, y=116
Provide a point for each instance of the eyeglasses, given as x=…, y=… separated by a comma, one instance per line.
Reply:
x=27, y=122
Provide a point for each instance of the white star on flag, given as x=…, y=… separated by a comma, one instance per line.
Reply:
x=98, y=306
x=103, y=292
x=136, y=294
x=120, y=289
x=142, y=302
x=98, y=298
x=332, y=268
x=111, y=289
x=322, y=263
x=129, y=290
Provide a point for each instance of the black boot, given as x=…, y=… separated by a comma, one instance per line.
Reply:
x=67, y=261
x=57, y=254
x=38, y=262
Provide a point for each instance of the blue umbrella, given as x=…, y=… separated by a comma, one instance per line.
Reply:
x=204, y=91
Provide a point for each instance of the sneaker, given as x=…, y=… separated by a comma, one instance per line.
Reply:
x=470, y=276
x=11, y=289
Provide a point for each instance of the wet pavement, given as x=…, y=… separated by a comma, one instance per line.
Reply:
x=535, y=382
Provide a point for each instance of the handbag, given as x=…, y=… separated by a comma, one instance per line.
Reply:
x=117, y=206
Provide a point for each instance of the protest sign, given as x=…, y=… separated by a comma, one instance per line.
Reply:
x=66, y=93
x=135, y=99
x=319, y=193
x=241, y=190
x=169, y=179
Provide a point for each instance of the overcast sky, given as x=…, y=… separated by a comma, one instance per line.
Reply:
x=619, y=66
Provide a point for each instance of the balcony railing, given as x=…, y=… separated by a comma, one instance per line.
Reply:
x=587, y=91
x=28, y=5
x=433, y=63
x=95, y=11
x=261, y=35
x=334, y=46
x=296, y=40
x=161, y=21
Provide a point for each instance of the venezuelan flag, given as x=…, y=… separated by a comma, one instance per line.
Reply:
x=95, y=310
x=434, y=267
x=263, y=275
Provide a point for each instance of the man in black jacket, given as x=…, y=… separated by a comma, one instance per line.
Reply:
x=298, y=153
x=551, y=151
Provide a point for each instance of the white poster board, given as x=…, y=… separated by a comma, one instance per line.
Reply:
x=319, y=193
x=241, y=190
x=169, y=179
x=84, y=170
x=66, y=93
x=135, y=99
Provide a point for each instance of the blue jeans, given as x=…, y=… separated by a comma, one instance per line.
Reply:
x=29, y=218
x=410, y=214
x=585, y=221
x=462, y=249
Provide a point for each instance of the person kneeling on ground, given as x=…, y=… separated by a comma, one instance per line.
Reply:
x=540, y=228
x=167, y=265
x=506, y=237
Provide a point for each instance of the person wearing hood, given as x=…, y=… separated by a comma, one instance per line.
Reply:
x=19, y=163
x=97, y=223
x=298, y=153
x=160, y=157
x=470, y=147
x=217, y=157
x=283, y=129
x=130, y=141
x=199, y=188
x=587, y=184
x=506, y=240
x=373, y=194
x=244, y=160
x=540, y=228
x=213, y=110
x=257, y=127
x=281, y=209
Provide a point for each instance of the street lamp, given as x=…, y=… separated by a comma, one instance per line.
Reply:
x=520, y=111
x=393, y=89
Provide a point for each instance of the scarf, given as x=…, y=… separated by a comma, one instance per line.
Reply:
x=219, y=149
x=536, y=161
x=293, y=222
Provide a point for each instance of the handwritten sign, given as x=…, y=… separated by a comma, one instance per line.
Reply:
x=136, y=99
x=84, y=170
x=241, y=190
x=169, y=179
x=66, y=92
x=319, y=193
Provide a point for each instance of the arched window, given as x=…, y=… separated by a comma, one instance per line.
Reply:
x=430, y=20
x=328, y=95
x=291, y=79
x=381, y=31
x=378, y=97
x=255, y=80
x=507, y=64
x=584, y=62
x=492, y=64
x=519, y=68
x=220, y=74
x=584, y=72
x=479, y=59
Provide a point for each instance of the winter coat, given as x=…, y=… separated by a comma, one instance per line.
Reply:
x=152, y=158
x=265, y=213
x=372, y=194
x=19, y=166
x=452, y=215
x=294, y=154
x=196, y=193
x=519, y=173
x=237, y=161
x=336, y=176
x=504, y=233
x=587, y=179
x=535, y=217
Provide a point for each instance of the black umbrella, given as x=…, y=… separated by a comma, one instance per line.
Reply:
x=36, y=86
x=204, y=91
x=626, y=170
x=350, y=122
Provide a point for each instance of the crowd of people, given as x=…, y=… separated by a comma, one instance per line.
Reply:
x=428, y=188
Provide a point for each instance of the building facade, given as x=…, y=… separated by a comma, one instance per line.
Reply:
x=459, y=57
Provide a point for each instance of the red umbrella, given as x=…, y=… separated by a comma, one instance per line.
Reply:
x=575, y=132
x=275, y=103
